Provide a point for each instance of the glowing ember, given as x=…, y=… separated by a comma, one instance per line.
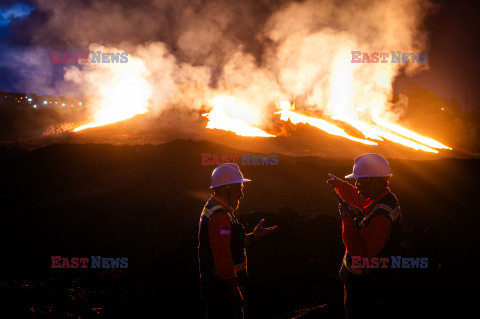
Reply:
x=125, y=93
x=219, y=119
x=287, y=114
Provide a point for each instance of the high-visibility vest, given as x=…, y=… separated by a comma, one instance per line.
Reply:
x=237, y=243
x=389, y=206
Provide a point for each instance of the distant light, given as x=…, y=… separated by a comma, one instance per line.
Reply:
x=19, y=10
x=45, y=102
x=56, y=102
x=35, y=106
x=443, y=109
x=79, y=103
x=63, y=104
x=30, y=100
x=71, y=105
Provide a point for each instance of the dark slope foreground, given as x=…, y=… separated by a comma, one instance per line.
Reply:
x=143, y=202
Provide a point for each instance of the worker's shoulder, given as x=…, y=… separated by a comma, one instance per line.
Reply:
x=388, y=206
x=220, y=217
x=380, y=217
x=377, y=218
x=390, y=200
x=214, y=206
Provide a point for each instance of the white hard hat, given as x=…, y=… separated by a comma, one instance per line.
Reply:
x=228, y=173
x=370, y=165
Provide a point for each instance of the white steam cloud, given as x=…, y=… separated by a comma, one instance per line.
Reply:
x=257, y=52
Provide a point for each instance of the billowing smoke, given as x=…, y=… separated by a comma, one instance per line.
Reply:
x=314, y=40
x=259, y=52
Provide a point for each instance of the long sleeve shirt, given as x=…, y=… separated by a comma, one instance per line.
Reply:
x=219, y=233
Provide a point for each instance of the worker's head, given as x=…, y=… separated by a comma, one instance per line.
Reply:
x=371, y=173
x=227, y=183
x=371, y=187
x=231, y=193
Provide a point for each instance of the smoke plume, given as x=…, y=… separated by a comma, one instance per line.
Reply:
x=258, y=52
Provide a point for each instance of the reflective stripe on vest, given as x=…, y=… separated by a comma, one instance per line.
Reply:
x=209, y=212
x=392, y=213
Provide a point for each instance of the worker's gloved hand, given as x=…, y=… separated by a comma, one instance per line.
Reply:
x=335, y=181
x=344, y=213
x=346, y=191
x=259, y=231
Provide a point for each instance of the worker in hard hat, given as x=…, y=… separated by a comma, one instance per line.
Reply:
x=376, y=233
x=222, y=240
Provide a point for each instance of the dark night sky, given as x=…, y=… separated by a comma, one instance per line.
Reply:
x=453, y=55
x=453, y=59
